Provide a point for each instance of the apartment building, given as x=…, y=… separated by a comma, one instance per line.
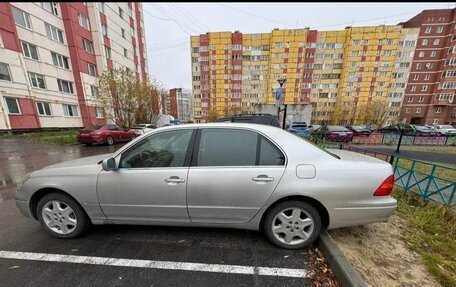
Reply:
x=181, y=104
x=51, y=54
x=430, y=94
x=348, y=76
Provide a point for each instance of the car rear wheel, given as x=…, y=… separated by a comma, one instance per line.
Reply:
x=292, y=225
x=61, y=216
x=109, y=140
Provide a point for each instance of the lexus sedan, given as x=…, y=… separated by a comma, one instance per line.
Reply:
x=230, y=175
x=334, y=133
x=108, y=134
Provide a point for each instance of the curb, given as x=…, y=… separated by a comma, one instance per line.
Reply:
x=345, y=273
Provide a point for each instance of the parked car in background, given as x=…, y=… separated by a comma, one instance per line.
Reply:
x=396, y=129
x=108, y=134
x=359, y=130
x=183, y=175
x=143, y=128
x=422, y=131
x=445, y=129
x=299, y=129
x=334, y=133
x=314, y=127
x=264, y=119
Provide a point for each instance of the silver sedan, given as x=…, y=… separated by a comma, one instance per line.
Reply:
x=230, y=175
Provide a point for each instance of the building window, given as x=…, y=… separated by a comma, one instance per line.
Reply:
x=413, y=88
x=130, y=12
x=416, y=77
x=70, y=110
x=428, y=30
x=121, y=13
x=436, y=42
x=5, y=74
x=94, y=91
x=104, y=30
x=65, y=86
x=421, y=99
x=13, y=106
x=133, y=31
x=421, y=54
x=418, y=110
x=108, y=52
x=418, y=66
x=99, y=112
x=435, y=122
x=122, y=32
x=410, y=99
x=22, y=18
x=433, y=53
x=101, y=7
x=407, y=110
x=60, y=61
x=88, y=46
x=424, y=42
x=424, y=88
x=30, y=51
x=439, y=29
x=92, y=69
x=37, y=80
x=125, y=52
x=54, y=33
x=427, y=77
x=438, y=110
x=44, y=109
x=51, y=7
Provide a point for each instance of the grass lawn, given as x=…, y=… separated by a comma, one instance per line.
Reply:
x=64, y=137
x=438, y=149
x=431, y=233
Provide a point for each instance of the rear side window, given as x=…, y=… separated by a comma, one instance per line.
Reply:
x=231, y=147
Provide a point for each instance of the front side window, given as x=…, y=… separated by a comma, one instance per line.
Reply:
x=13, y=106
x=236, y=148
x=37, y=80
x=165, y=149
x=29, y=50
x=44, y=109
x=22, y=18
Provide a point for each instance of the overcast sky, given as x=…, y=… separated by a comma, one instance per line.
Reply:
x=169, y=25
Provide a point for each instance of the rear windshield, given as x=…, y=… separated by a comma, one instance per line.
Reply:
x=299, y=126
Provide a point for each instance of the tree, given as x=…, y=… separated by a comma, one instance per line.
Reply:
x=125, y=99
x=212, y=116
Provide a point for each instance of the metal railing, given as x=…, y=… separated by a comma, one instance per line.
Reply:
x=433, y=182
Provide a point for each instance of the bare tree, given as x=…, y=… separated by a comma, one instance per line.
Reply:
x=125, y=99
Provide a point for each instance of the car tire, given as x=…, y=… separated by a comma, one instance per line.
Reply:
x=133, y=137
x=88, y=144
x=62, y=217
x=281, y=224
x=109, y=140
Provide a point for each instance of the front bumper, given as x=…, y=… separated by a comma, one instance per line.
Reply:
x=23, y=206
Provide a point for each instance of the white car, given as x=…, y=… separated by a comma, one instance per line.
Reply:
x=229, y=175
x=143, y=128
x=445, y=129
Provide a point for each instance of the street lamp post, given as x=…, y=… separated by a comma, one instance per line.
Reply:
x=278, y=97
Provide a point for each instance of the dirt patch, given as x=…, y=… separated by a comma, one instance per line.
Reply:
x=380, y=255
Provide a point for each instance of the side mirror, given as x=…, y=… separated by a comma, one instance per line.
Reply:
x=108, y=164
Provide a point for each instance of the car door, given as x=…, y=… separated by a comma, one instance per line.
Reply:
x=233, y=173
x=150, y=181
x=114, y=132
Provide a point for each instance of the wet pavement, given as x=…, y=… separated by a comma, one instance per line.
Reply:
x=122, y=244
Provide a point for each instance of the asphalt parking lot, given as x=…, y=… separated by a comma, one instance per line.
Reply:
x=131, y=255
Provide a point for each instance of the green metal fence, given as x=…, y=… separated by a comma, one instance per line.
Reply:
x=431, y=181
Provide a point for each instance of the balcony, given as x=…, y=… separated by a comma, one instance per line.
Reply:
x=438, y=102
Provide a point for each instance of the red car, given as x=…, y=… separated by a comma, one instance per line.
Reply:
x=108, y=134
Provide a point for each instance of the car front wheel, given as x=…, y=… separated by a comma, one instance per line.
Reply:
x=292, y=225
x=61, y=216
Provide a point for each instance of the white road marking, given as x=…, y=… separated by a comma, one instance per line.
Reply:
x=170, y=265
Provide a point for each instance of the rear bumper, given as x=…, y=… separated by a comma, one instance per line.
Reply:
x=92, y=139
x=351, y=216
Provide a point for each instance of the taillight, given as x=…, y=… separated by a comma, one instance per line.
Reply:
x=386, y=187
x=334, y=133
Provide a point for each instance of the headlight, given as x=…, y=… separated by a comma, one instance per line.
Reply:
x=23, y=180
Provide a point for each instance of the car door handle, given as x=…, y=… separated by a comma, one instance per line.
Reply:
x=263, y=178
x=174, y=179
